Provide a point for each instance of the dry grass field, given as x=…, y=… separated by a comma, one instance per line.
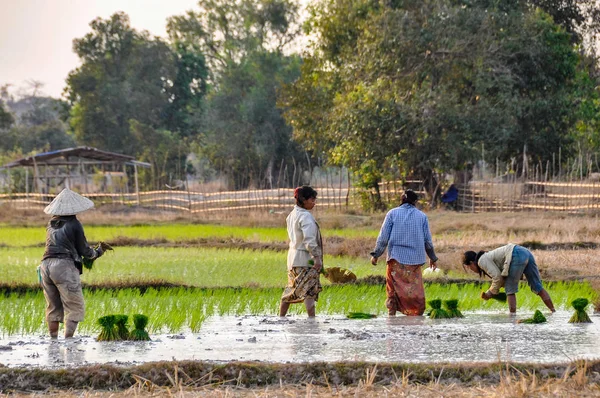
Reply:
x=577, y=380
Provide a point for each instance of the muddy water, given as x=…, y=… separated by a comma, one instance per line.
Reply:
x=481, y=337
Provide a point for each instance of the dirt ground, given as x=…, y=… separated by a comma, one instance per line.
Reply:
x=318, y=380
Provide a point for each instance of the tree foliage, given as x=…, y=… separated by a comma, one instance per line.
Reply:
x=38, y=127
x=244, y=134
x=128, y=76
x=416, y=86
x=6, y=118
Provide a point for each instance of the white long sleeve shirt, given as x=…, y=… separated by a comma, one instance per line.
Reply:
x=496, y=264
x=305, y=238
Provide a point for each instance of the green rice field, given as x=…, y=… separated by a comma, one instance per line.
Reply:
x=29, y=236
x=180, y=309
x=201, y=267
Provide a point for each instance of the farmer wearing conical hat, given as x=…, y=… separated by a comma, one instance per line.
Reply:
x=61, y=265
x=406, y=235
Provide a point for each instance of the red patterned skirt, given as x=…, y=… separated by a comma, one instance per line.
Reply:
x=404, y=288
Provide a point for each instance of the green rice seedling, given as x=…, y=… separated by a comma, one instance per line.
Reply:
x=501, y=296
x=437, y=312
x=360, y=315
x=452, y=309
x=27, y=236
x=580, y=315
x=121, y=323
x=180, y=309
x=139, y=333
x=178, y=265
x=109, y=330
x=89, y=262
x=537, y=317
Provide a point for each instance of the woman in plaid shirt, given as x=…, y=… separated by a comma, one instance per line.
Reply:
x=406, y=235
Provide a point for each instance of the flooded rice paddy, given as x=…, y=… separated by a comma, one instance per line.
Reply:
x=479, y=337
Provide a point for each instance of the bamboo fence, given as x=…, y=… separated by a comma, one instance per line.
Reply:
x=489, y=196
x=475, y=196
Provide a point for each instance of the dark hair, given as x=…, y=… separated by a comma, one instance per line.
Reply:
x=303, y=193
x=471, y=256
x=409, y=196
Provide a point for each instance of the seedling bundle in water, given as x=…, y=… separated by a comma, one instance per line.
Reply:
x=114, y=328
x=538, y=317
x=122, y=329
x=360, y=315
x=580, y=316
x=139, y=333
x=501, y=296
x=452, y=309
x=109, y=330
x=437, y=312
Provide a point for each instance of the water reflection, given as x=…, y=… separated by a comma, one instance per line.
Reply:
x=479, y=337
x=66, y=352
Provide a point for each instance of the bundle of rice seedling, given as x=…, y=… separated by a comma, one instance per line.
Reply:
x=501, y=296
x=109, y=331
x=360, y=315
x=436, y=310
x=87, y=262
x=139, y=333
x=580, y=316
x=121, y=323
x=538, y=317
x=452, y=309
x=339, y=275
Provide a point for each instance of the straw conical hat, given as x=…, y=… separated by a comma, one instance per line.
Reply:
x=68, y=203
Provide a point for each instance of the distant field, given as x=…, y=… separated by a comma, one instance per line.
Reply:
x=203, y=267
x=30, y=236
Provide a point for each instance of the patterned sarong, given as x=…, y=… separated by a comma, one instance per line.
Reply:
x=404, y=288
x=303, y=283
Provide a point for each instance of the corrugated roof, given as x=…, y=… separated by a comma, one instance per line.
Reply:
x=61, y=156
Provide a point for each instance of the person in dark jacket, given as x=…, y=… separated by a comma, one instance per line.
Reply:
x=61, y=264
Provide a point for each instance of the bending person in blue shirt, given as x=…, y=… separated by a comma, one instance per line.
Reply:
x=405, y=233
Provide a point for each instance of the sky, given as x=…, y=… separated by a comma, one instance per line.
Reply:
x=36, y=36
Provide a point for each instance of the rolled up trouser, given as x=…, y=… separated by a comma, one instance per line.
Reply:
x=62, y=289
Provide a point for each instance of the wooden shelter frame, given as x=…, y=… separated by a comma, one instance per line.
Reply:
x=78, y=157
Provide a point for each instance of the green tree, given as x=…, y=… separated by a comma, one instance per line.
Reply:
x=127, y=75
x=244, y=134
x=414, y=87
x=6, y=118
x=38, y=127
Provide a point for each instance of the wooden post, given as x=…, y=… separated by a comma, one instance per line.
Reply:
x=137, y=187
x=36, y=183
x=187, y=187
x=27, y=183
x=84, y=175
